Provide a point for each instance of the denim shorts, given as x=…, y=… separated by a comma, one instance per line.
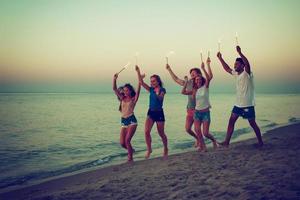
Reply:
x=246, y=113
x=131, y=120
x=156, y=115
x=202, y=116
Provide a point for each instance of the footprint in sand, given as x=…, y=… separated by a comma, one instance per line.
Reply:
x=115, y=169
x=172, y=164
x=252, y=187
x=179, y=187
x=173, y=184
x=170, y=176
x=268, y=172
x=193, y=195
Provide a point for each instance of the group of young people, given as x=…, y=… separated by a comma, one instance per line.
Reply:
x=198, y=106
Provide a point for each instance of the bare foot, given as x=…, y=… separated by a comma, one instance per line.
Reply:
x=259, y=145
x=223, y=144
x=148, y=154
x=202, y=149
x=196, y=144
x=166, y=151
x=215, y=145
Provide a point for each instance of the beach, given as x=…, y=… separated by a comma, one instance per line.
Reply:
x=81, y=83
x=241, y=171
x=44, y=137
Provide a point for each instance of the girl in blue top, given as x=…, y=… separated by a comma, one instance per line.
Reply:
x=155, y=112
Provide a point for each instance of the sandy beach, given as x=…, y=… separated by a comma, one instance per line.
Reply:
x=240, y=172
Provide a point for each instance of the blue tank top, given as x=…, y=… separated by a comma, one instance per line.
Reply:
x=155, y=102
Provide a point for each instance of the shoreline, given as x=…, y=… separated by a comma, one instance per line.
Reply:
x=239, y=138
x=224, y=173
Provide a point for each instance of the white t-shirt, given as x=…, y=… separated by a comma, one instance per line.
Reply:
x=244, y=89
x=202, y=98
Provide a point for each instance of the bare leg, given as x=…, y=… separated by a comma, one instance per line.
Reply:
x=189, y=120
x=256, y=129
x=122, y=137
x=230, y=130
x=207, y=134
x=161, y=131
x=197, y=125
x=148, y=126
x=130, y=132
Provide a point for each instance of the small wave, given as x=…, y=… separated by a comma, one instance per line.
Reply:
x=264, y=120
x=182, y=145
x=271, y=125
x=40, y=175
x=293, y=120
x=243, y=131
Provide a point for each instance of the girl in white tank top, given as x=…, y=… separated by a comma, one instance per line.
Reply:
x=128, y=98
x=200, y=93
x=202, y=98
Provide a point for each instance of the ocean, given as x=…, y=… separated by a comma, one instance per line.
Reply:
x=45, y=135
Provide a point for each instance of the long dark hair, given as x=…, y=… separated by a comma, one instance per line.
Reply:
x=160, y=83
x=131, y=89
x=132, y=93
x=197, y=70
x=203, y=80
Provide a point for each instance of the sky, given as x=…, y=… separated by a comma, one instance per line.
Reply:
x=77, y=45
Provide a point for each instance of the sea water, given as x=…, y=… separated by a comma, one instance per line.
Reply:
x=44, y=135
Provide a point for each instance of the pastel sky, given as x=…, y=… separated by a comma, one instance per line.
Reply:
x=86, y=41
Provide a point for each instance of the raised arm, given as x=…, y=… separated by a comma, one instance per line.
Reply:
x=207, y=77
x=174, y=77
x=208, y=61
x=224, y=64
x=139, y=86
x=115, y=88
x=147, y=87
x=184, y=90
x=245, y=60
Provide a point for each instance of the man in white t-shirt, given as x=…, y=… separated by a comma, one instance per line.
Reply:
x=244, y=106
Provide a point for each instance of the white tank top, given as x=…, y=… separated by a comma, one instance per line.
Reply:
x=202, y=98
x=127, y=108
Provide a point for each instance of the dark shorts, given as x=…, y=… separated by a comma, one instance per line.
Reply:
x=131, y=120
x=246, y=113
x=156, y=115
x=202, y=116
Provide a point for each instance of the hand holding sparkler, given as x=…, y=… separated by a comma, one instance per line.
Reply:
x=124, y=68
x=167, y=56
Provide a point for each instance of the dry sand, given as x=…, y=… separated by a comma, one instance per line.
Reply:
x=240, y=172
